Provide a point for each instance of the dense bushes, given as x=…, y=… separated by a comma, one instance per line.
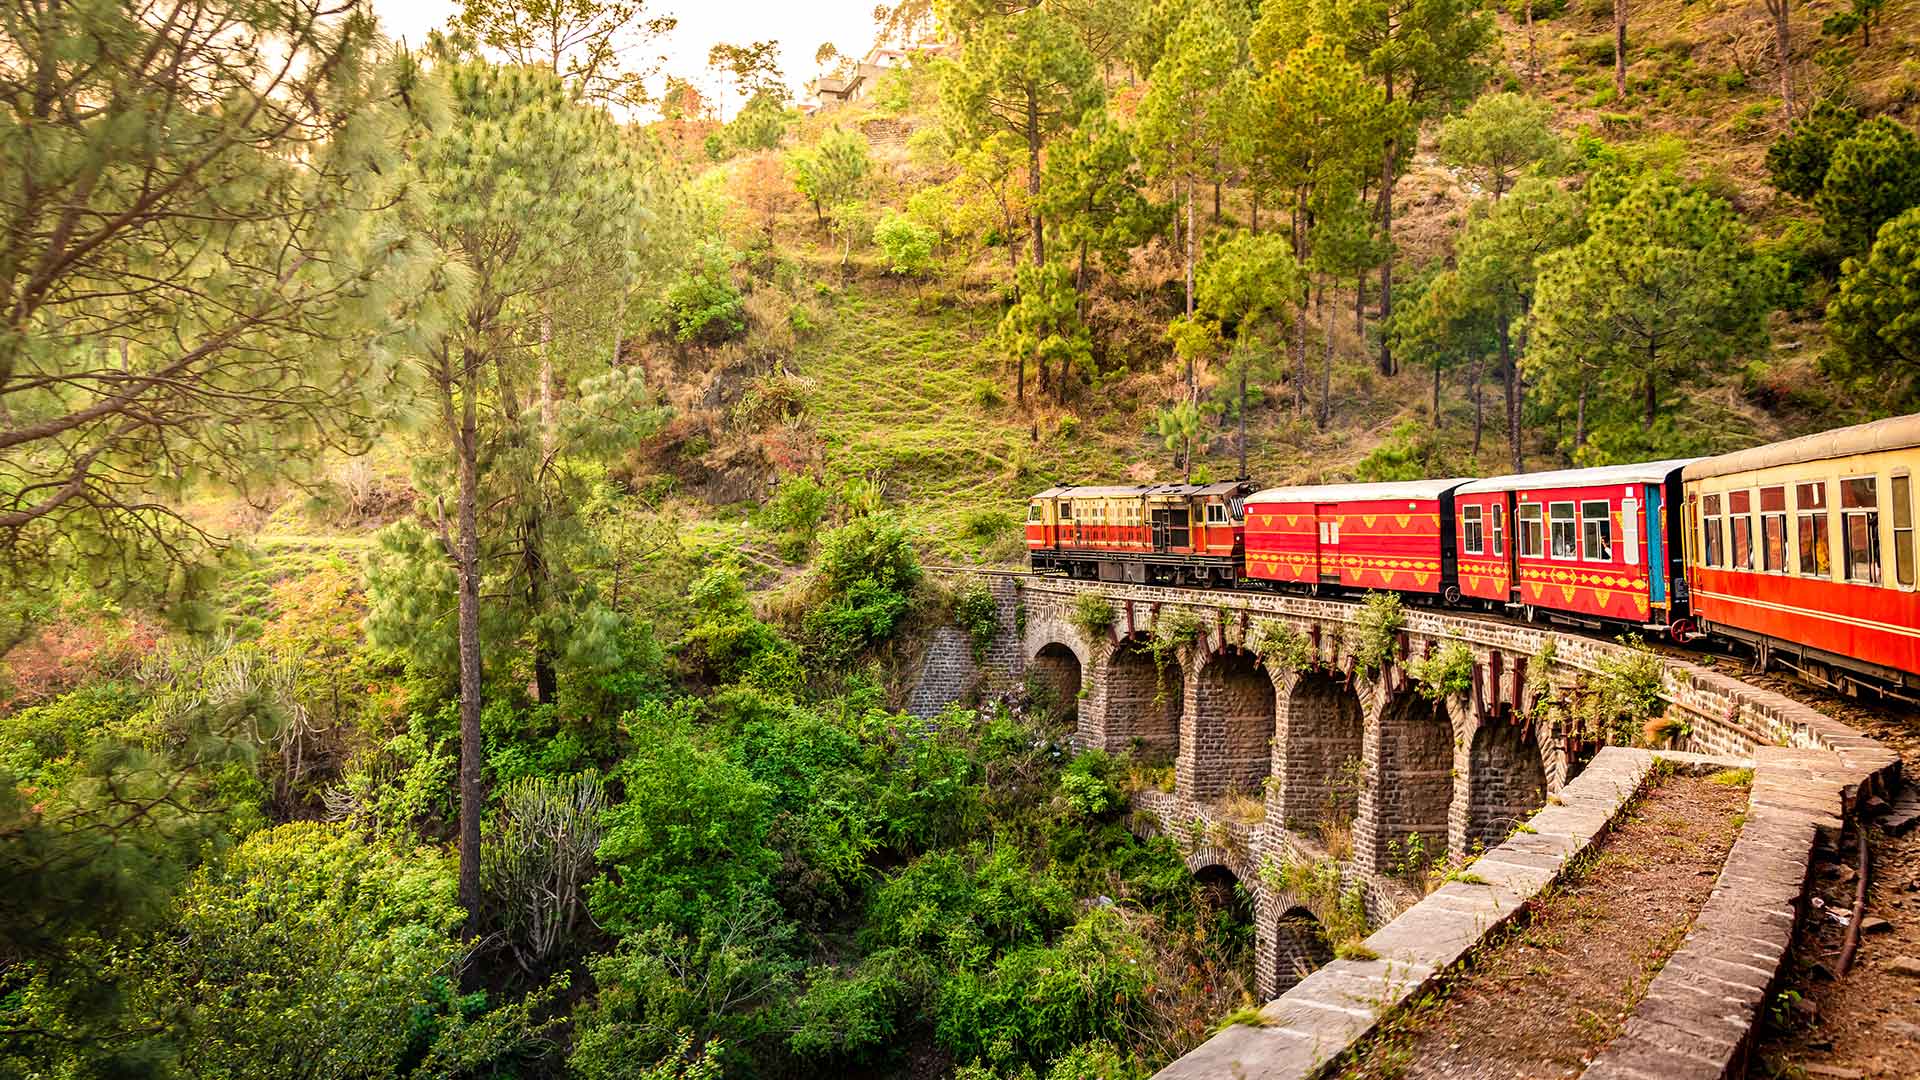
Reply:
x=703, y=304
x=867, y=575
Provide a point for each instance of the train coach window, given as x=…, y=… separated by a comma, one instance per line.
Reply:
x=1740, y=514
x=1811, y=502
x=1531, y=541
x=1565, y=530
x=1495, y=514
x=1860, y=529
x=1472, y=534
x=1713, y=539
x=1596, y=531
x=1066, y=510
x=1033, y=511
x=1773, y=530
x=1902, y=531
x=1216, y=514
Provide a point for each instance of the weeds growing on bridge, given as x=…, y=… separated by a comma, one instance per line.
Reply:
x=1092, y=616
x=1378, y=627
x=1281, y=647
x=1445, y=673
x=978, y=613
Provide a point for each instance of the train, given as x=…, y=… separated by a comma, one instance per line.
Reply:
x=1801, y=553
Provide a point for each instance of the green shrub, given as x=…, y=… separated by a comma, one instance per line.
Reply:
x=1377, y=631
x=1448, y=672
x=795, y=511
x=703, y=304
x=1281, y=647
x=1086, y=786
x=867, y=574
x=1173, y=631
x=905, y=244
x=853, y=1019
x=1092, y=616
x=690, y=835
x=968, y=906
x=1040, y=1002
x=726, y=642
x=978, y=613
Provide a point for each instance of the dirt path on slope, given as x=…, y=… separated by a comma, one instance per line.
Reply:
x=1543, y=999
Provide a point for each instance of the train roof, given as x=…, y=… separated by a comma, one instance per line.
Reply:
x=1644, y=472
x=1329, y=493
x=1135, y=491
x=1893, y=433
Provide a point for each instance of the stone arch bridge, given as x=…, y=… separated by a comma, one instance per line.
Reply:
x=1313, y=762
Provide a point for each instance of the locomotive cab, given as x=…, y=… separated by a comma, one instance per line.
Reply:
x=1149, y=533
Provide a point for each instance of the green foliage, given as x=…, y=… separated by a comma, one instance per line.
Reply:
x=829, y=173
x=1092, y=616
x=905, y=244
x=311, y=940
x=1178, y=425
x=536, y=858
x=1281, y=647
x=867, y=575
x=1664, y=289
x=1092, y=194
x=1445, y=673
x=967, y=907
x=795, y=511
x=1173, y=630
x=726, y=642
x=663, y=990
x=1410, y=452
x=1377, y=627
x=1044, y=326
x=759, y=125
x=978, y=613
x=855, y=1019
x=1086, y=785
x=1797, y=161
x=689, y=836
x=1873, y=177
x=703, y=304
x=1876, y=316
x=1498, y=137
x=1038, y=1002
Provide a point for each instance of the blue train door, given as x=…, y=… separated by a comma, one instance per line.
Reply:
x=1656, y=544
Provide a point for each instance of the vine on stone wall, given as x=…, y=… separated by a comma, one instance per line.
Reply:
x=1281, y=647
x=1377, y=631
x=1092, y=616
x=1445, y=673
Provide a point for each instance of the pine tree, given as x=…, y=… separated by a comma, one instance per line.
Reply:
x=1025, y=73
x=1876, y=316
x=1249, y=280
x=197, y=282
x=1192, y=112
x=532, y=199
x=1662, y=292
x=1873, y=176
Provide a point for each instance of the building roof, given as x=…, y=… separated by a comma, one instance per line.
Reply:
x=1645, y=472
x=1329, y=493
x=1894, y=433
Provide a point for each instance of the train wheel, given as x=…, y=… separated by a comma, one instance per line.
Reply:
x=1451, y=595
x=1680, y=630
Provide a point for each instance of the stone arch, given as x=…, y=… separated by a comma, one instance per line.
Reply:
x=1233, y=725
x=1320, y=728
x=1300, y=948
x=1055, y=671
x=1506, y=780
x=1142, y=703
x=1410, y=784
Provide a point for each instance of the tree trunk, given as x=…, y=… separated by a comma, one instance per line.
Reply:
x=1033, y=179
x=1360, y=307
x=1620, y=49
x=1386, y=233
x=1300, y=310
x=1510, y=374
x=467, y=574
x=1651, y=402
x=1474, y=378
x=1216, y=202
x=1326, y=360
x=1580, y=420
x=546, y=682
x=1244, y=362
x=1190, y=258
x=1533, y=47
x=1783, y=52
x=1435, y=408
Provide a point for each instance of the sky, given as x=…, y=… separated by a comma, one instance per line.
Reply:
x=800, y=26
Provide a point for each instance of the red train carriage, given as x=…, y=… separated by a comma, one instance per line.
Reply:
x=1159, y=533
x=1805, y=550
x=1591, y=546
x=1359, y=536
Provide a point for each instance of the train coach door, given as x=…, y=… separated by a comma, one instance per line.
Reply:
x=1161, y=518
x=1327, y=541
x=1656, y=543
